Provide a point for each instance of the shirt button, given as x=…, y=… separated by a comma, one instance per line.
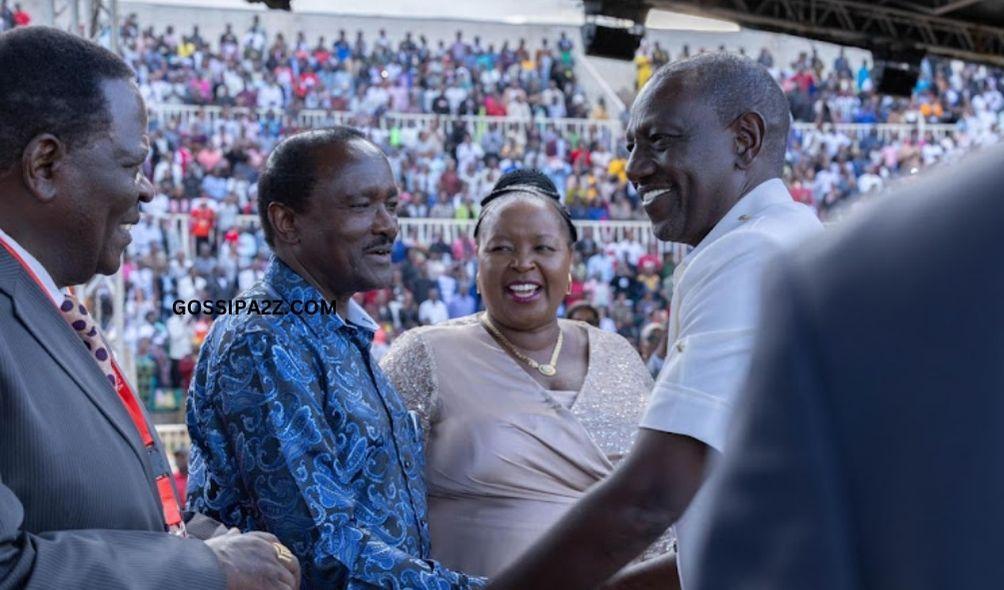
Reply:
x=407, y=464
x=744, y=218
x=679, y=347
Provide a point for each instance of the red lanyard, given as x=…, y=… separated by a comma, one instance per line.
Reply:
x=168, y=500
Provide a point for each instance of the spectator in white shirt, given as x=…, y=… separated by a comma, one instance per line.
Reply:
x=468, y=152
x=144, y=233
x=519, y=108
x=601, y=265
x=179, y=333
x=270, y=94
x=870, y=181
x=707, y=139
x=256, y=37
x=455, y=95
x=433, y=311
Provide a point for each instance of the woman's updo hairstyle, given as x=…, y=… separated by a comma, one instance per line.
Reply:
x=526, y=181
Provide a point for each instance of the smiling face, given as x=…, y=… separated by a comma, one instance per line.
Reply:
x=524, y=258
x=101, y=186
x=350, y=223
x=682, y=160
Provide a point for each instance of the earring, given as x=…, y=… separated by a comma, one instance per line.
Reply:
x=568, y=291
x=477, y=283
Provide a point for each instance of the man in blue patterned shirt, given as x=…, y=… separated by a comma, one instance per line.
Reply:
x=294, y=428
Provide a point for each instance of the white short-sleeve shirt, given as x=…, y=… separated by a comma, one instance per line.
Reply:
x=713, y=319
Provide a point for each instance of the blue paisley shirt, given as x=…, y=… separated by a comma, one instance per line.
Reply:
x=296, y=431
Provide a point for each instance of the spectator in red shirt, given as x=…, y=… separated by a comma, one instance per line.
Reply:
x=805, y=81
x=801, y=193
x=232, y=236
x=321, y=53
x=576, y=290
x=21, y=18
x=651, y=259
x=306, y=82
x=202, y=221
x=580, y=156
x=494, y=106
x=181, y=475
x=450, y=183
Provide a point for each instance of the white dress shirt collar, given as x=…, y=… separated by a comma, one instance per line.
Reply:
x=359, y=317
x=767, y=193
x=36, y=267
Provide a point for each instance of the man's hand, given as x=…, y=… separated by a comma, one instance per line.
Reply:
x=251, y=562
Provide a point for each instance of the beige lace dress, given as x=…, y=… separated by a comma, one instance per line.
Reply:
x=505, y=458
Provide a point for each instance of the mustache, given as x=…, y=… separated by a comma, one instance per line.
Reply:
x=381, y=243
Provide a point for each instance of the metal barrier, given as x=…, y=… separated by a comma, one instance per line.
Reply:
x=885, y=131
x=428, y=230
x=607, y=131
x=174, y=437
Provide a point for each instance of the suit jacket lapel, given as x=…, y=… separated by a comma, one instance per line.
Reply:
x=34, y=309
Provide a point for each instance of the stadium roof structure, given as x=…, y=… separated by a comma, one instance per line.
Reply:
x=972, y=30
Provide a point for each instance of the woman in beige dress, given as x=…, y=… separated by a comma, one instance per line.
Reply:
x=522, y=412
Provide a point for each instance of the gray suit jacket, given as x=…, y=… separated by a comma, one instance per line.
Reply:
x=869, y=449
x=78, y=504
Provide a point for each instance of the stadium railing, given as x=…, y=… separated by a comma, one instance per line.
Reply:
x=427, y=230
x=174, y=437
x=608, y=131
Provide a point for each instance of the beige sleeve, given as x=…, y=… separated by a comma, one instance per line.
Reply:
x=408, y=366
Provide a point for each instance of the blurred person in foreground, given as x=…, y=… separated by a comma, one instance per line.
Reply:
x=523, y=412
x=867, y=449
x=295, y=430
x=707, y=140
x=86, y=499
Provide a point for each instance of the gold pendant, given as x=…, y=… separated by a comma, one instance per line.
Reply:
x=547, y=370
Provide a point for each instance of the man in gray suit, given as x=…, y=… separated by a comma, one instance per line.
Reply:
x=83, y=497
x=867, y=452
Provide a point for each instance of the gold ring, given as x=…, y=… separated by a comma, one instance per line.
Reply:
x=283, y=553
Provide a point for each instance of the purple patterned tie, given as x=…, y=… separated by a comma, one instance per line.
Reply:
x=83, y=323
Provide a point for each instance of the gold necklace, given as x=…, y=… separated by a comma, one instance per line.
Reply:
x=548, y=370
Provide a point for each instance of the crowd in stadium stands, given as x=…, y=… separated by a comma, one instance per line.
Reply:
x=207, y=167
x=827, y=167
x=443, y=169
x=12, y=16
x=461, y=76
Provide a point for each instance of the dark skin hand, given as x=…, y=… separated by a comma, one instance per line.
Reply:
x=250, y=562
x=617, y=520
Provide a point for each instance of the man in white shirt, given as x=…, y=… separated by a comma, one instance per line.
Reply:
x=707, y=139
x=468, y=152
x=433, y=311
x=270, y=94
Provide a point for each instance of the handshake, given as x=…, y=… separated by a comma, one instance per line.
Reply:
x=255, y=560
